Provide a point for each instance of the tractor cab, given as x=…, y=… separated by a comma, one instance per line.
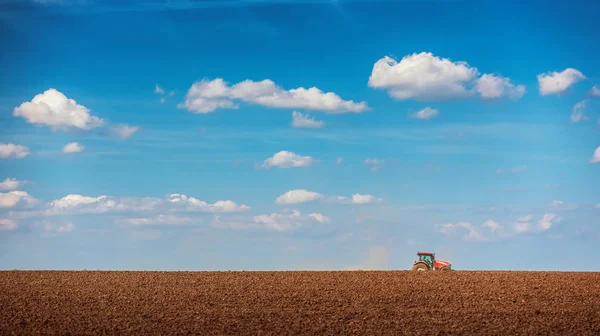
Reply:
x=427, y=257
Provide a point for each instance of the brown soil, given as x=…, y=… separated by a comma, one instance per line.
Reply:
x=307, y=303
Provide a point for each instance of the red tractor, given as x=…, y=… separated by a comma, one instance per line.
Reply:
x=427, y=262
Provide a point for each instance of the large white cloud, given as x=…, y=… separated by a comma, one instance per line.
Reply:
x=207, y=95
x=285, y=159
x=299, y=196
x=426, y=77
x=16, y=198
x=10, y=184
x=558, y=82
x=596, y=157
x=52, y=108
x=72, y=147
x=491, y=86
x=300, y=120
x=13, y=151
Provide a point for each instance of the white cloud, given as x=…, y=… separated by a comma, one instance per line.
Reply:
x=377, y=259
x=375, y=164
x=492, y=225
x=72, y=147
x=423, y=77
x=300, y=120
x=558, y=82
x=78, y=204
x=562, y=206
x=207, y=95
x=69, y=227
x=298, y=196
x=158, y=89
x=339, y=160
x=521, y=227
x=289, y=221
x=16, y=198
x=490, y=86
x=54, y=109
x=285, y=159
x=527, y=218
x=156, y=221
x=194, y=204
x=426, y=113
x=596, y=157
x=13, y=151
x=363, y=199
x=125, y=131
x=10, y=184
x=577, y=114
x=472, y=233
x=595, y=91
x=548, y=220
x=8, y=224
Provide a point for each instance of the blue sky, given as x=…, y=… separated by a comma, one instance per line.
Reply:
x=277, y=135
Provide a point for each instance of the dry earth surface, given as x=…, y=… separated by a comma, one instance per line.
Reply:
x=293, y=303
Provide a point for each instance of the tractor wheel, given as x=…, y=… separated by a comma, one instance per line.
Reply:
x=445, y=269
x=420, y=267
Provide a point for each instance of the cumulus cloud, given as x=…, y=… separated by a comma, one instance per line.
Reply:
x=286, y=221
x=491, y=86
x=472, y=234
x=300, y=196
x=208, y=95
x=595, y=91
x=577, y=114
x=159, y=220
x=158, y=89
x=300, y=120
x=426, y=77
x=426, y=113
x=492, y=225
x=16, y=198
x=596, y=157
x=285, y=159
x=194, y=204
x=377, y=258
x=72, y=147
x=558, y=82
x=124, y=131
x=548, y=220
x=10, y=184
x=13, y=151
x=8, y=224
x=53, y=109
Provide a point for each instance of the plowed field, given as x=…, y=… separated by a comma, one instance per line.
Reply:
x=307, y=303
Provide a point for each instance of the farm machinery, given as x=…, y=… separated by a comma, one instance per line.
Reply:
x=427, y=262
